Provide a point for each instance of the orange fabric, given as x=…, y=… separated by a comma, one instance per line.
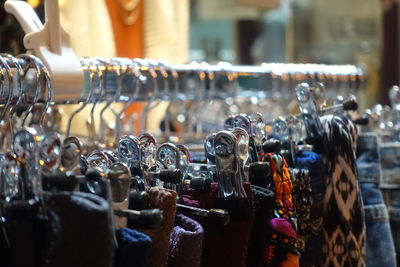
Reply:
x=128, y=38
x=283, y=187
x=128, y=41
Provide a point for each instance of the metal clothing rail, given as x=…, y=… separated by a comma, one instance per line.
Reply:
x=118, y=79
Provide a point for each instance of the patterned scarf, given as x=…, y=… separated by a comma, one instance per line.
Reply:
x=343, y=216
x=282, y=250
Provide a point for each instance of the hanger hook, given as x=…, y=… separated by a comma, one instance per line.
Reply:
x=132, y=69
x=9, y=78
x=102, y=66
x=88, y=66
x=18, y=80
x=21, y=93
x=49, y=90
x=153, y=96
x=172, y=98
x=119, y=68
x=31, y=60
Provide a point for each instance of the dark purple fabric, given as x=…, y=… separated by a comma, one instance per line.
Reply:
x=222, y=245
x=186, y=242
x=81, y=230
x=260, y=232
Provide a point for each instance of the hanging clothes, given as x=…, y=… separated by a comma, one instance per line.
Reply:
x=165, y=200
x=133, y=248
x=376, y=214
x=390, y=184
x=313, y=162
x=186, y=243
x=78, y=221
x=264, y=200
x=283, y=244
x=343, y=217
x=127, y=24
x=219, y=240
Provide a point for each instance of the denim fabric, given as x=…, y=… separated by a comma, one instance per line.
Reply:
x=390, y=162
x=390, y=185
x=368, y=158
x=380, y=249
x=392, y=199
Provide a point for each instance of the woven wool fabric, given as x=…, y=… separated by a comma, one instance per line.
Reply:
x=260, y=233
x=133, y=248
x=165, y=200
x=220, y=240
x=343, y=216
x=186, y=243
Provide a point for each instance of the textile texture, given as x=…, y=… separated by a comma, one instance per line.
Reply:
x=223, y=245
x=133, y=248
x=186, y=243
x=343, y=217
x=260, y=233
x=380, y=253
x=165, y=200
x=77, y=222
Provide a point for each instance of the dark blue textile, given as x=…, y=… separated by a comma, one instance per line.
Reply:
x=133, y=247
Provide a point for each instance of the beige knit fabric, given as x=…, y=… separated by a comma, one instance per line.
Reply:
x=165, y=200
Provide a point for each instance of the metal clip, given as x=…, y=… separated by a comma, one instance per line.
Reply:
x=309, y=113
x=228, y=167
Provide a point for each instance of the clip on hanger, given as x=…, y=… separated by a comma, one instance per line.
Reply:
x=51, y=43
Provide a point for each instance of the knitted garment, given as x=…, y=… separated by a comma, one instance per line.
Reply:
x=302, y=200
x=283, y=245
x=23, y=236
x=223, y=245
x=186, y=243
x=282, y=248
x=312, y=253
x=283, y=187
x=133, y=248
x=260, y=233
x=165, y=200
x=343, y=217
x=81, y=230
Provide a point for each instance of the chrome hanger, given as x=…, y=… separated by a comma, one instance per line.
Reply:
x=32, y=61
x=133, y=70
x=152, y=74
x=71, y=154
x=91, y=68
x=26, y=149
x=129, y=152
x=228, y=168
x=309, y=113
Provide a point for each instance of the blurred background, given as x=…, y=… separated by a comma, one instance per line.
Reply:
x=360, y=32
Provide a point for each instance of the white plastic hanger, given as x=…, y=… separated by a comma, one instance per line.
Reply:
x=51, y=44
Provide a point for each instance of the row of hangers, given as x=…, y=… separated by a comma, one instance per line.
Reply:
x=385, y=119
x=35, y=157
x=129, y=80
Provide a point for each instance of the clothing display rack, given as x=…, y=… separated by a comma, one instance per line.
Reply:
x=298, y=190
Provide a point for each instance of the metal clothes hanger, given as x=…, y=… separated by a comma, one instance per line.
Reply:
x=100, y=89
x=93, y=72
x=7, y=78
x=152, y=74
x=32, y=61
x=133, y=70
x=228, y=172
